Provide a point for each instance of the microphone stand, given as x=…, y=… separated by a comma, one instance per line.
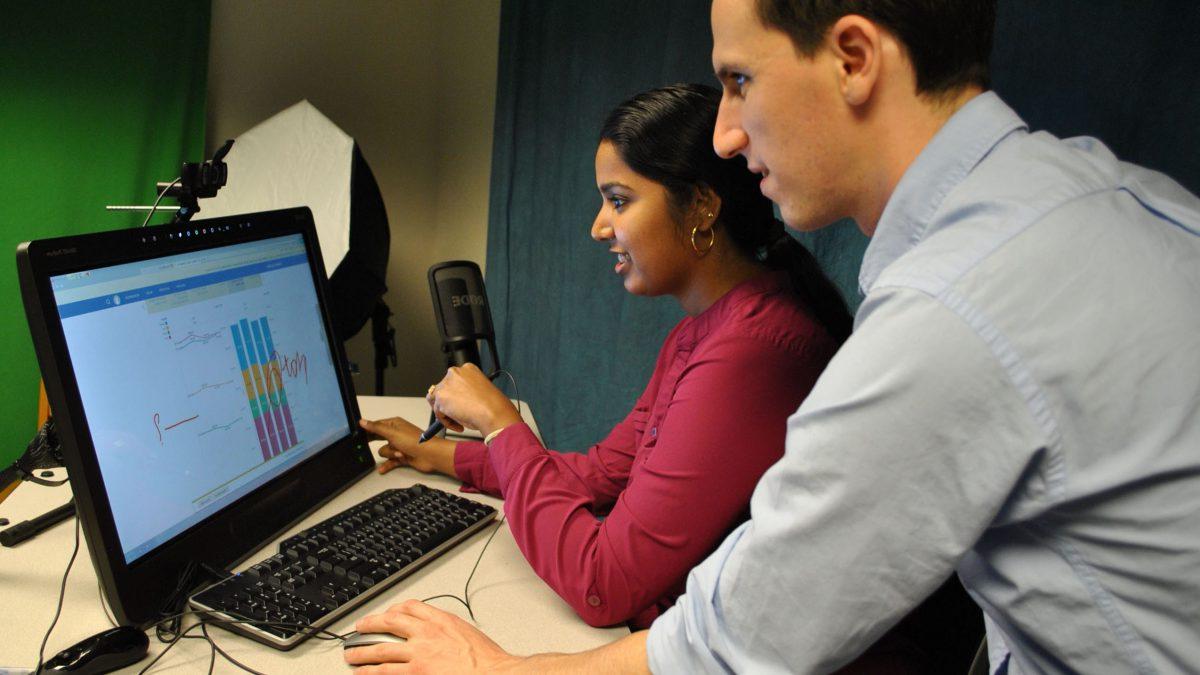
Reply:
x=384, y=338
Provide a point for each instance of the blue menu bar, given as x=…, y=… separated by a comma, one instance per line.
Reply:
x=112, y=300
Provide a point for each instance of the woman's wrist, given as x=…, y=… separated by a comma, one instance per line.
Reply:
x=502, y=421
x=443, y=456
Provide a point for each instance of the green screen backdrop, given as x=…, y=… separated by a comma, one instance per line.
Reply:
x=97, y=102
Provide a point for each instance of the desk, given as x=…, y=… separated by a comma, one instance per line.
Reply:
x=512, y=605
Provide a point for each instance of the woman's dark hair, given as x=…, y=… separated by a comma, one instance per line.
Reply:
x=665, y=135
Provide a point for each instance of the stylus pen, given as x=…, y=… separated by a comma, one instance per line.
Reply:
x=436, y=426
x=432, y=431
x=30, y=528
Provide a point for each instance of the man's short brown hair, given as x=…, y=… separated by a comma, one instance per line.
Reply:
x=948, y=41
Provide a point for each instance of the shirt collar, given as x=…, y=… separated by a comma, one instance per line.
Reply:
x=717, y=313
x=966, y=138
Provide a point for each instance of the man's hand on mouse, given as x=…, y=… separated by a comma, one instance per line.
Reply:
x=438, y=642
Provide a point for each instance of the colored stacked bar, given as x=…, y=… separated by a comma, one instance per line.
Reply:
x=263, y=379
x=276, y=378
x=260, y=387
x=245, y=363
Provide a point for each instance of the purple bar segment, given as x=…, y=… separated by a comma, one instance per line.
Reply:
x=262, y=438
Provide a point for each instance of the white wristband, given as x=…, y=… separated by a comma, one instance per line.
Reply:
x=487, y=440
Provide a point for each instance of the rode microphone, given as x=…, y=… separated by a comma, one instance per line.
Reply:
x=463, y=317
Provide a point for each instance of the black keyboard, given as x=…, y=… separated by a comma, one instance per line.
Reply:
x=328, y=569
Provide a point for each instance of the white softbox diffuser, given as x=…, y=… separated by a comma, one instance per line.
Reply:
x=295, y=158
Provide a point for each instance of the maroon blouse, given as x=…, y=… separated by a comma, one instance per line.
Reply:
x=676, y=474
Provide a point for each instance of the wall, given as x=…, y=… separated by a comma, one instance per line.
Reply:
x=413, y=81
x=93, y=110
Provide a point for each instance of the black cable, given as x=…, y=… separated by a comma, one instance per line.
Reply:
x=104, y=604
x=467, y=586
x=174, y=602
x=212, y=651
x=62, y=592
x=513, y=380
x=160, y=196
x=163, y=653
x=320, y=634
x=465, y=601
x=222, y=652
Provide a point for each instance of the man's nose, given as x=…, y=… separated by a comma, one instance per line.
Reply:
x=729, y=138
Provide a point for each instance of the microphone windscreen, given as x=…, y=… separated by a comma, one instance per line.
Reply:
x=463, y=303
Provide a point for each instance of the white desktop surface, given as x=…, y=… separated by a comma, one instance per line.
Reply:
x=512, y=605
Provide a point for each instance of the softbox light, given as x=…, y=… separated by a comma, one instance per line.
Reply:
x=300, y=158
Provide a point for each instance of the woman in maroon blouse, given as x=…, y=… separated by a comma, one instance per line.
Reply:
x=676, y=475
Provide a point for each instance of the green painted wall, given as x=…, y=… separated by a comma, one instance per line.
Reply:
x=97, y=102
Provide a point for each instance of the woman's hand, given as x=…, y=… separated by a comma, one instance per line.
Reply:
x=402, y=449
x=465, y=397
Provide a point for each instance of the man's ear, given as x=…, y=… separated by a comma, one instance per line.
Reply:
x=857, y=46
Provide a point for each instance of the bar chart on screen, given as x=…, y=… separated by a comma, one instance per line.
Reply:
x=209, y=371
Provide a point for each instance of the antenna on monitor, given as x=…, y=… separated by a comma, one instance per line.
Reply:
x=196, y=181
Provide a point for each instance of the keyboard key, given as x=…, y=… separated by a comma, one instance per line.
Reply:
x=332, y=563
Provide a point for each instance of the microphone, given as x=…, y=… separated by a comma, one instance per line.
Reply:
x=460, y=306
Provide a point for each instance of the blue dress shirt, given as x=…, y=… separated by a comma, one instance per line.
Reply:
x=1020, y=402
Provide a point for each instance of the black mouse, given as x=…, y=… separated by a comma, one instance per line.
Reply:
x=101, y=653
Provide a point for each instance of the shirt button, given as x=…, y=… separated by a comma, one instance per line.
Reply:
x=594, y=600
x=654, y=431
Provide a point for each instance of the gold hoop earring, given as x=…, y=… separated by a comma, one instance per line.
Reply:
x=712, y=240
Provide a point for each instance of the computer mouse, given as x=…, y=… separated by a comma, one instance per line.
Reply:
x=368, y=639
x=101, y=653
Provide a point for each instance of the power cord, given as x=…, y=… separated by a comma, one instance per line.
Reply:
x=205, y=621
x=104, y=604
x=516, y=392
x=466, y=599
x=160, y=196
x=62, y=592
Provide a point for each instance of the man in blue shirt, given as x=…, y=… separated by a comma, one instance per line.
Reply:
x=1018, y=400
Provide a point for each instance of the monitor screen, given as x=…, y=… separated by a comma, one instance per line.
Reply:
x=202, y=376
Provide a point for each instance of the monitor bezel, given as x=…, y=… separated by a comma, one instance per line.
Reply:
x=136, y=591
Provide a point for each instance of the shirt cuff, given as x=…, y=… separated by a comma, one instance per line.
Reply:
x=511, y=449
x=470, y=457
x=664, y=633
x=691, y=636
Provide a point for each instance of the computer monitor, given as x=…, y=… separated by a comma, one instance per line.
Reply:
x=203, y=403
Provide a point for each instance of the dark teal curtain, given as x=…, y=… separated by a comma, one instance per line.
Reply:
x=1127, y=73
x=580, y=347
